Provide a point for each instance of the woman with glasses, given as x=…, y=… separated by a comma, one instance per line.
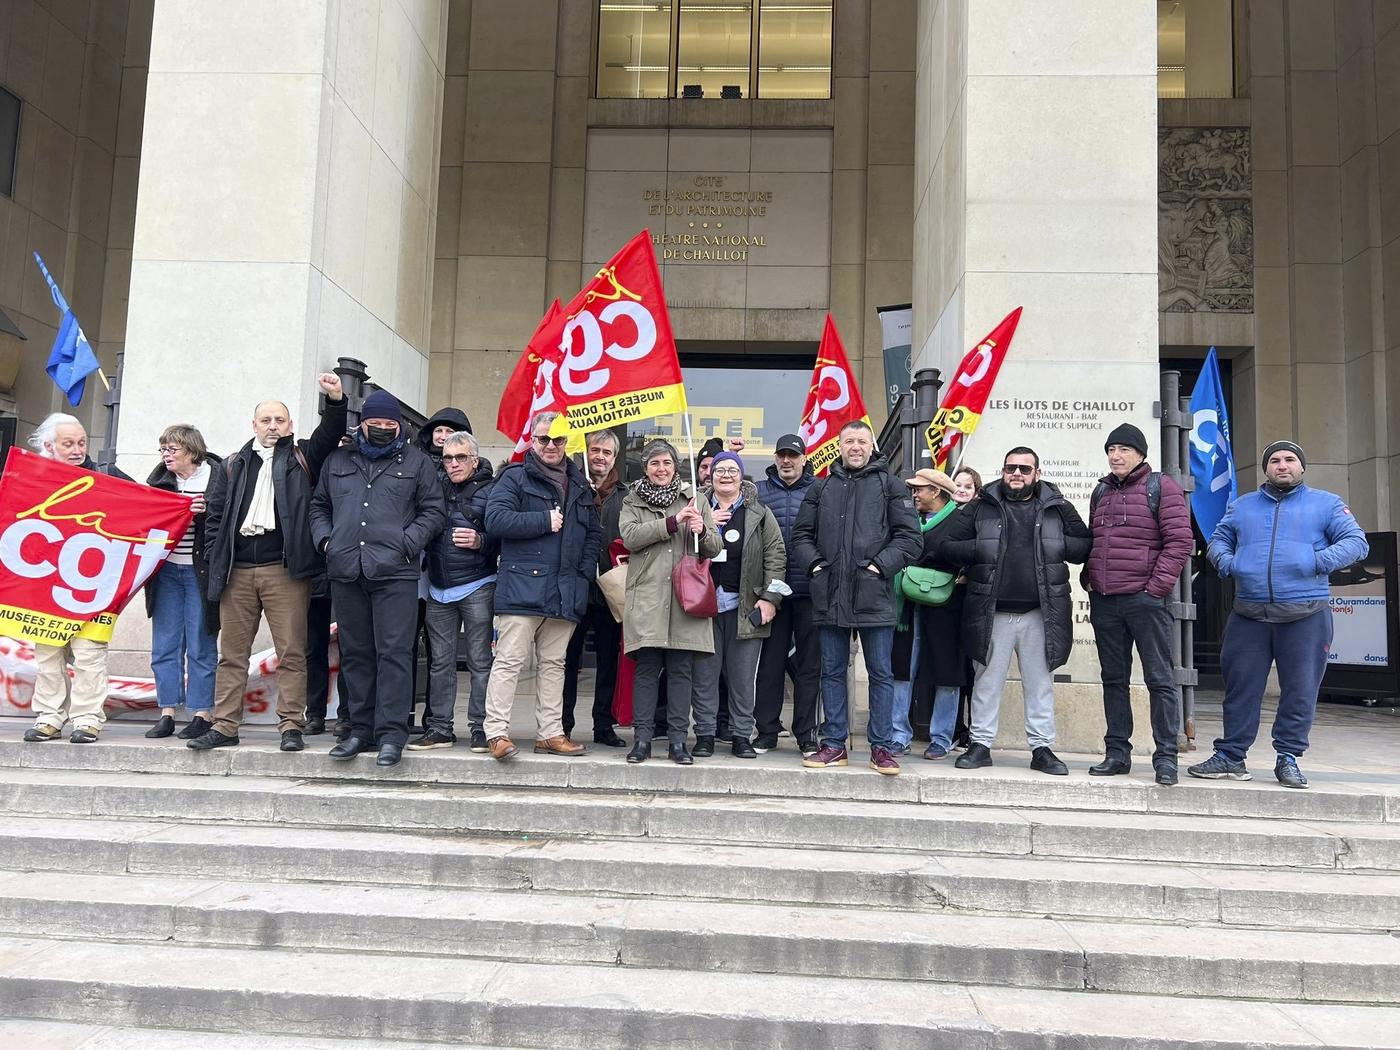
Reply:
x=183, y=621
x=660, y=523
x=749, y=576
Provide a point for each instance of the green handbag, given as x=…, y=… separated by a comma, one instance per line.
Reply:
x=926, y=586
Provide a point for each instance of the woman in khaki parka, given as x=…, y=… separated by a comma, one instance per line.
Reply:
x=659, y=523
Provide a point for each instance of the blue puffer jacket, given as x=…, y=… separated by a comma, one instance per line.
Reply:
x=1282, y=546
x=785, y=501
x=542, y=573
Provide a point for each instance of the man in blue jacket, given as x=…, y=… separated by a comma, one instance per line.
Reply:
x=542, y=512
x=1279, y=544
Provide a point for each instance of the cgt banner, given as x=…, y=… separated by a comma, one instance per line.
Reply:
x=76, y=545
x=962, y=406
x=530, y=389
x=833, y=400
x=618, y=362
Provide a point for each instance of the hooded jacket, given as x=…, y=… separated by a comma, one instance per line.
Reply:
x=449, y=417
x=542, y=572
x=976, y=537
x=292, y=488
x=1133, y=550
x=849, y=520
x=448, y=564
x=1281, y=546
x=785, y=501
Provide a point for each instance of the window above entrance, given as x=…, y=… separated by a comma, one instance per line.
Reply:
x=714, y=49
x=1195, y=49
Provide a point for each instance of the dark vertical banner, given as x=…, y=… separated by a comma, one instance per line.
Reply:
x=897, y=336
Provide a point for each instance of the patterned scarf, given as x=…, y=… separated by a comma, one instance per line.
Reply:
x=658, y=496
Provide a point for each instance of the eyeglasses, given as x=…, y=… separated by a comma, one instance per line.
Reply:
x=169, y=450
x=457, y=459
x=545, y=440
x=1018, y=468
x=724, y=473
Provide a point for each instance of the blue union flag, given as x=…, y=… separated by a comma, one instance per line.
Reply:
x=1212, y=459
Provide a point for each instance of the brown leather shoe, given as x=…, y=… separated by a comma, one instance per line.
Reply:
x=502, y=748
x=558, y=745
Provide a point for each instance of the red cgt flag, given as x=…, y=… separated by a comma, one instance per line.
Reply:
x=833, y=400
x=967, y=394
x=619, y=360
x=76, y=545
x=530, y=388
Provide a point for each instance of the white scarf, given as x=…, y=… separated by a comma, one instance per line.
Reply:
x=262, y=515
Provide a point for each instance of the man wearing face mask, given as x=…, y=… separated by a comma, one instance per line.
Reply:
x=1015, y=542
x=262, y=560
x=1279, y=545
x=377, y=506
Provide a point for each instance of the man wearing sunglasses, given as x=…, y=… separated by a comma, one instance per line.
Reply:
x=1142, y=539
x=543, y=513
x=1015, y=542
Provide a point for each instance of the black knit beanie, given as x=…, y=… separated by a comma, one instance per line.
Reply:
x=1127, y=434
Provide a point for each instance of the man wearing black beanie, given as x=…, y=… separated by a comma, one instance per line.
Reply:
x=1142, y=540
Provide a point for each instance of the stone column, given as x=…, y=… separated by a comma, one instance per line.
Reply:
x=1035, y=183
x=286, y=212
x=285, y=216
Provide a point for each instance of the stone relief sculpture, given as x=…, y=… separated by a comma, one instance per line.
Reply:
x=1205, y=220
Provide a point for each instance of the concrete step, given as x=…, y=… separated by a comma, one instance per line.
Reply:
x=337, y=995
x=59, y=1035
x=742, y=821
x=710, y=937
x=776, y=775
x=883, y=879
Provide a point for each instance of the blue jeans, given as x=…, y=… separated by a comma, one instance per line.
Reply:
x=473, y=617
x=945, y=715
x=902, y=732
x=875, y=643
x=180, y=641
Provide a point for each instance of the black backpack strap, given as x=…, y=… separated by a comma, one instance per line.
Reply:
x=1154, y=494
x=1094, y=498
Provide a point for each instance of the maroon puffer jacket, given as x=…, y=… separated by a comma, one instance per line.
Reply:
x=1132, y=550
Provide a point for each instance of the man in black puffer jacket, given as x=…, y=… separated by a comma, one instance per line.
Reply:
x=377, y=506
x=461, y=593
x=782, y=491
x=1015, y=541
x=544, y=514
x=855, y=531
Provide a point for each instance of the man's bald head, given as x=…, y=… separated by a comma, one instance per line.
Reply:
x=271, y=420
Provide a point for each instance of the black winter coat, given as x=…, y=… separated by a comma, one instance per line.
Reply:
x=975, y=537
x=785, y=501
x=448, y=564
x=374, y=517
x=163, y=478
x=543, y=573
x=291, y=488
x=849, y=520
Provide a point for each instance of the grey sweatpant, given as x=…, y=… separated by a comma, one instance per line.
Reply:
x=1023, y=634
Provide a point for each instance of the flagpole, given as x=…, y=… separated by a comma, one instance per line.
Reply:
x=690, y=458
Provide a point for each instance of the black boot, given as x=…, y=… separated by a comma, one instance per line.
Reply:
x=742, y=748
x=975, y=757
x=680, y=756
x=704, y=747
x=641, y=751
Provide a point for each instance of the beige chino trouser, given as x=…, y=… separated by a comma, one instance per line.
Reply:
x=251, y=594
x=516, y=638
x=56, y=700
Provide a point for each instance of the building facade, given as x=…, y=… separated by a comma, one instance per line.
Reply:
x=235, y=195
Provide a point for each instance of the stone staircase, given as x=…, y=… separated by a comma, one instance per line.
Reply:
x=277, y=900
